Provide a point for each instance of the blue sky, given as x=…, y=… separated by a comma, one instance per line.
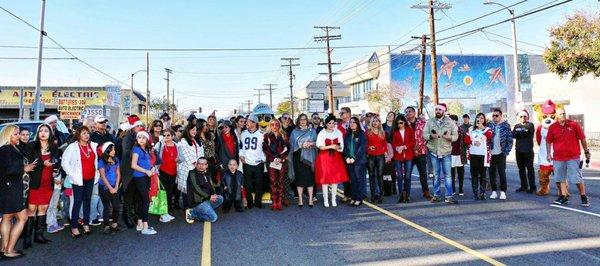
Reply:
x=222, y=80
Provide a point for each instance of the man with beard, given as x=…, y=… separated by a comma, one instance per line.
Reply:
x=440, y=132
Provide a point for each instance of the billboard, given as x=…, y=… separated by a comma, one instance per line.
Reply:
x=52, y=96
x=466, y=83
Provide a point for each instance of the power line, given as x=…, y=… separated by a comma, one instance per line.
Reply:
x=35, y=58
x=195, y=49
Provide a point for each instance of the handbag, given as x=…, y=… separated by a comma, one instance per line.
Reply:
x=158, y=204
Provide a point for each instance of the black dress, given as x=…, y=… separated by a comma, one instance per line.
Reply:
x=13, y=188
x=303, y=174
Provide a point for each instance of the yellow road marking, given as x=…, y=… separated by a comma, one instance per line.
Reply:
x=206, y=248
x=434, y=234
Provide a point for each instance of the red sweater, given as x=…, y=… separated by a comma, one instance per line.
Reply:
x=408, y=141
x=88, y=167
x=380, y=144
x=169, y=160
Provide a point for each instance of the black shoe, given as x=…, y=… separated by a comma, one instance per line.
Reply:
x=532, y=190
x=585, y=202
x=521, y=189
x=562, y=200
x=239, y=209
x=258, y=205
x=27, y=233
x=451, y=200
x=95, y=222
x=300, y=205
x=40, y=227
x=311, y=205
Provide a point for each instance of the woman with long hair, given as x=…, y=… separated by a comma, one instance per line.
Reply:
x=41, y=185
x=376, y=149
x=155, y=131
x=276, y=149
x=191, y=151
x=142, y=162
x=302, y=158
x=110, y=175
x=330, y=160
x=355, y=152
x=403, y=143
x=166, y=150
x=80, y=163
x=24, y=135
x=14, y=188
x=478, y=141
x=389, y=184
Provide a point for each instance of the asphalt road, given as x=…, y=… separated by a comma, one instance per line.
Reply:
x=523, y=230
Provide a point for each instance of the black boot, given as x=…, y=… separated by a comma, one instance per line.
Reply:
x=40, y=227
x=27, y=233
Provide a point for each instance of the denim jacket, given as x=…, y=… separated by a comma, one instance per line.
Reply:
x=506, y=137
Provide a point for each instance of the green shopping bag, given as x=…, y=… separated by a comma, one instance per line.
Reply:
x=158, y=204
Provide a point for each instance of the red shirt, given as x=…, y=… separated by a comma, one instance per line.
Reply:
x=378, y=142
x=408, y=140
x=565, y=140
x=169, y=160
x=88, y=158
x=229, y=143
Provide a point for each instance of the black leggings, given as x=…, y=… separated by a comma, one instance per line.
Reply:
x=141, y=185
x=168, y=182
x=376, y=175
x=478, y=181
x=458, y=173
x=111, y=204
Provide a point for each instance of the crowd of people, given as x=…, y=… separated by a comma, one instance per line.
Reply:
x=94, y=177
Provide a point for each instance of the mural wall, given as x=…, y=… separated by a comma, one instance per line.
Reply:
x=467, y=83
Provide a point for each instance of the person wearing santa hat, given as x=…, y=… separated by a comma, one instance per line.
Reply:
x=523, y=132
x=440, y=132
x=110, y=178
x=143, y=169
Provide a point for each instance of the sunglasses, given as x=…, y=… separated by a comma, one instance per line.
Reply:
x=166, y=135
x=400, y=123
x=495, y=115
x=103, y=122
x=285, y=118
x=180, y=131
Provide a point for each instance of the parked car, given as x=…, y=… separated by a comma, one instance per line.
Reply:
x=33, y=125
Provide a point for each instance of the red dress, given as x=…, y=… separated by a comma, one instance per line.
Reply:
x=42, y=195
x=329, y=166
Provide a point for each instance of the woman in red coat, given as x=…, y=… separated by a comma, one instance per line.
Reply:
x=330, y=169
x=276, y=149
x=403, y=144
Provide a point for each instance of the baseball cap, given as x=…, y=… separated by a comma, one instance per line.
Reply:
x=100, y=119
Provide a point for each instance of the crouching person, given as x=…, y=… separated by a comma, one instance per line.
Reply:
x=201, y=194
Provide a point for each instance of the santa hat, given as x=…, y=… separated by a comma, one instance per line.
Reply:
x=105, y=146
x=134, y=121
x=125, y=126
x=142, y=134
x=50, y=119
x=213, y=114
x=442, y=106
x=523, y=113
x=549, y=107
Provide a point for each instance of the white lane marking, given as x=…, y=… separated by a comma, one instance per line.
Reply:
x=575, y=210
x=591, y=177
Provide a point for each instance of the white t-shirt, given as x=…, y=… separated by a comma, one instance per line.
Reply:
x=478, y=141
x=252, y=147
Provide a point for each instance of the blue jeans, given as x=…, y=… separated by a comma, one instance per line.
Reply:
x=358, y=177
x=441, y=167
x=97, y=209
x=403, y=176
x=205, y=211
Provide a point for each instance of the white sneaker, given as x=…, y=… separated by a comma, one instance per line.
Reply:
x=139, y=227
x=502, y=195
x=171, y=217
x=326, y=204
x=494, y=195
x=165, y=218
x=188, y=216
x=149, y=231
x=333, y=203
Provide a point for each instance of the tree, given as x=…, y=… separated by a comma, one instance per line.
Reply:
x=286, y=107
x=387, y=97
x=575, y=47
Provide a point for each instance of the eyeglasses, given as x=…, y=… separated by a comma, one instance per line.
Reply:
x=103, y=122
x=331, y=123
x=157, y=125
x=495, y=115
x=166, y=135
x=342, y=113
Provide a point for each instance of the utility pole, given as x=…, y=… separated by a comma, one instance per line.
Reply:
x=328, y=37
x=291, y=64
x=258, y=94
x=173, y=105
x=271, y=89
x=38, y=90
x=168, y=79
x=147, y=89
x=249, y=102
x=422, y=75
x=432, y=7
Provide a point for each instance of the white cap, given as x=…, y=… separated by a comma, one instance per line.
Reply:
x=50, y=119
x=143, y=134
x=100, y=119
x=125, y=126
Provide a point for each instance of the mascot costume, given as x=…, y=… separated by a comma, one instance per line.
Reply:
x=265, y=114
x=546, y=117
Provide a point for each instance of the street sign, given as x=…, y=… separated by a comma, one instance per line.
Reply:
x=70, y=115
x=92, y=112
x=71, y=108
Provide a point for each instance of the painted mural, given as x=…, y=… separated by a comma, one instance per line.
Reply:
x=468, y=83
